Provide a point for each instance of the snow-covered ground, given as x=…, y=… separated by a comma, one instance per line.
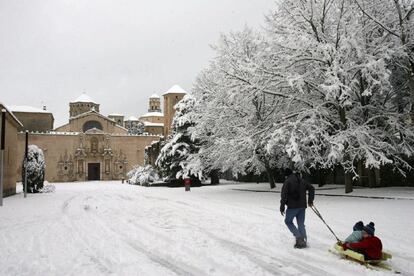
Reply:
x=106, y=228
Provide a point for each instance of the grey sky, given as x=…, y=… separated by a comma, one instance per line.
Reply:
x=119, y=52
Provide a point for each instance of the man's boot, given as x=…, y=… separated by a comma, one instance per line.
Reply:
x=300, y=243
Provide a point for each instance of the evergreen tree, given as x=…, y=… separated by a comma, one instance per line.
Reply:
x=35, y=169
x=173, y=160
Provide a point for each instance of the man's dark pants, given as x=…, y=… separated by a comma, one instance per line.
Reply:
x=299, y=214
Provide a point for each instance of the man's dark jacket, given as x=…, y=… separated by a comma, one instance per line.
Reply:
x=294, y=193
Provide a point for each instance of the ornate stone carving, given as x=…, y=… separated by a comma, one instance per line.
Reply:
x=94, y=145
x=81, y=151
x=66, y=167
x=107, y=151
x=120, y=165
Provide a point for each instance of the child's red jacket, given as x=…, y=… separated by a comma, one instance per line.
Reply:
x=371, y=247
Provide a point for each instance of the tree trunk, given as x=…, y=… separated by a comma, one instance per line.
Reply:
x=214, y=177
x=322, y=177
x=270, y=176
x=371, y=178
x=348, y=183
x=377, y=173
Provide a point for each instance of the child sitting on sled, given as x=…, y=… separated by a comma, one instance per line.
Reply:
x=370, y=246
x=356, y=235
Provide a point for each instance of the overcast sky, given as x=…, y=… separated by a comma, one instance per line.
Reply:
x=119, y=52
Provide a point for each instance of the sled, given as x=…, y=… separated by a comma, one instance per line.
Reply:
x=359, y=258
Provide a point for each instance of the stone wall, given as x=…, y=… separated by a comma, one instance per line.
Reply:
x=155, y=130
x=76, y=124
x=35, y=121
x=68, y=155
x=11, y=159
x=153, y=119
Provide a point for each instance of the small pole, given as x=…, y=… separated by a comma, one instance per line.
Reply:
x=2, y=147
x=26, y=151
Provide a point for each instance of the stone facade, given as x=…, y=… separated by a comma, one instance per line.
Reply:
x=12, y=159
x=118, y=118
x=90, y=146
x=93, y=155
x=34, y=121
x=153, y=117
x=154, y=129
x=131, y=122
x=92, y=118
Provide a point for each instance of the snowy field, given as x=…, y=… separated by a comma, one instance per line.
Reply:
x=107, y=228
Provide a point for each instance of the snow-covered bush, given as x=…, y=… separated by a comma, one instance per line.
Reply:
x=35, y=169
x=143, y=175
x=48, y=188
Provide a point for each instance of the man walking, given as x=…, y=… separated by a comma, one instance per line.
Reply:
x=294, y=196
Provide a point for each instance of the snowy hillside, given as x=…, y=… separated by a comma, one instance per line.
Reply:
x=106, y=228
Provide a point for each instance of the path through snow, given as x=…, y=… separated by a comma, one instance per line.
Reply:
x=106, y=228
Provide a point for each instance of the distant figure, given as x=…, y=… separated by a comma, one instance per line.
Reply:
x=187, y=184
x=370, y=245
x=294, y=196
x=356, y=235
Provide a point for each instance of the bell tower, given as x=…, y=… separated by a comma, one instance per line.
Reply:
x=82, y=104
x=154, y=103
x=171, y=98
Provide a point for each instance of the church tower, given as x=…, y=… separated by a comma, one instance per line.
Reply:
x=171, y=98
x=154, y=103
x=82, y=104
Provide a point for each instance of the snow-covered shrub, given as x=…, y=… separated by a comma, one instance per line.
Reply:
x=48, y=188
x=143, y=175
x=35, y=169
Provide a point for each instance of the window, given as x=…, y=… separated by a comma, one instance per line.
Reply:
x=92, y=124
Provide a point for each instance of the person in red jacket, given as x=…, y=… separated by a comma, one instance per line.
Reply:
x=370, y=245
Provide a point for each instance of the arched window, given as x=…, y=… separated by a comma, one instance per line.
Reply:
x=92, y=124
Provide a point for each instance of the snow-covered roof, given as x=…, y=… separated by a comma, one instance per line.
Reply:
x=26, y=108
x=149, y=124
x=153, y=114
x=121, y=127
x=132, y=118
x=84, y=99
x=11, y=114
x=116, y=115
x=176, y=89
x=93, y=111
x=154, y=96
